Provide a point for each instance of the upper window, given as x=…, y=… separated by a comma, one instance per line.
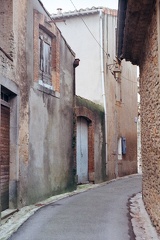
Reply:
x=46, y=53
x=45, y=57
x=118, y=90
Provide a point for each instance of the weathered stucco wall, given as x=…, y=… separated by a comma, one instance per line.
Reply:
x=50, y=135
x=150, y=109
x=121, y=96
x=41, y=126
x=121, y=114
x=127, y=115
x=48, y=167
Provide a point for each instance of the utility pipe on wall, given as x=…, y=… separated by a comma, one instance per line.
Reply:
x=103, y=86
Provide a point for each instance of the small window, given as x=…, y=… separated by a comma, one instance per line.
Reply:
x=45, y=57
x=120, y=148
x=6, y=94
x=118, y=90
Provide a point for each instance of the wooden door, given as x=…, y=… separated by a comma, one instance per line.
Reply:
x=4, y=151
x=82, y=150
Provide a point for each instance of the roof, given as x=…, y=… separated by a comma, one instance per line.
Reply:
x=86, y=11
x=133, y=21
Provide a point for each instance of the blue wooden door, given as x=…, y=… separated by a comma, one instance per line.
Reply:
x=82, y=150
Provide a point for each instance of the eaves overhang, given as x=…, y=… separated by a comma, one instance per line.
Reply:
x=133, y=20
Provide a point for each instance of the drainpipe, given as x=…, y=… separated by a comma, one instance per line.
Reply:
x=0, y=160
x=103, y=87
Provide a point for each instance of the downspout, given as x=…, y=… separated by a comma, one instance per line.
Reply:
x=103, y=87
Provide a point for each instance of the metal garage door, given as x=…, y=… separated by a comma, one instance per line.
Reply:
x=4, y=150
x=82, y=150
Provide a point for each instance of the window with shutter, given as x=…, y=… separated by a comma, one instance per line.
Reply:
x=45, y=58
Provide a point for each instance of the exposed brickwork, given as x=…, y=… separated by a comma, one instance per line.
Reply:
x=91, y=151
x=6, y=65
x=150, y=115
x=41, y=21
x=6, y=28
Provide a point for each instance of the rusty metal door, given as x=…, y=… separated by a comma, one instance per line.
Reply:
x=82, y=150
x=4, y=151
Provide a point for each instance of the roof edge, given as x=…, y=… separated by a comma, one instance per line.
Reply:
x=86, y=11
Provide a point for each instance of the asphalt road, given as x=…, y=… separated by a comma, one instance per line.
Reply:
x=98, y=214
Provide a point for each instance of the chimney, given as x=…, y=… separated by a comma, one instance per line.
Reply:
x=59, y=10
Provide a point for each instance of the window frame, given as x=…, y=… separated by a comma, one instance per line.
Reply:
x=45, y=60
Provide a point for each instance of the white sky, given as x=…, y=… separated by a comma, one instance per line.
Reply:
x=66, y=5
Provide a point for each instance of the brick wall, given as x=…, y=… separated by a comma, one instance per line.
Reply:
x=150, y=121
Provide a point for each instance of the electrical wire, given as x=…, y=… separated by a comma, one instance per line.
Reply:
x=89, y=29
x=110, y=67
x=128, y=79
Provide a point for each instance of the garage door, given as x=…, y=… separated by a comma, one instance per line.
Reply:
x=4, y=150
x=82, y=150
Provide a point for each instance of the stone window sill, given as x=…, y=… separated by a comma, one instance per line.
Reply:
x=47, y=89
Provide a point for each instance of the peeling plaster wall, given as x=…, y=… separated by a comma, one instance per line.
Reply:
x=43, y=119
x=50, y=138
x=46, y=164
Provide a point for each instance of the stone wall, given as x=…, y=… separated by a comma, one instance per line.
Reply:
x=150, y=115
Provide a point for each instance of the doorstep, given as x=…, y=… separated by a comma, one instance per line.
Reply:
x=8, y=212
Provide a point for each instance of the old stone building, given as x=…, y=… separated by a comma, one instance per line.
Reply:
x=139, y=42
x=37, y=92
x=115, y=143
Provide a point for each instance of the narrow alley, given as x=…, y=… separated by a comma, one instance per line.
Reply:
x=101, y=213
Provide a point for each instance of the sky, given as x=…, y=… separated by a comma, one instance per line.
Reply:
x=66, y=5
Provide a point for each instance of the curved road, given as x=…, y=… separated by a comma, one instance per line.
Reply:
x=97, y=214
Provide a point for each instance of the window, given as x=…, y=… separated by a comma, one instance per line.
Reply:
x=120, y=148
x=118, y=90
x=45, y=58
x=6, y=94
